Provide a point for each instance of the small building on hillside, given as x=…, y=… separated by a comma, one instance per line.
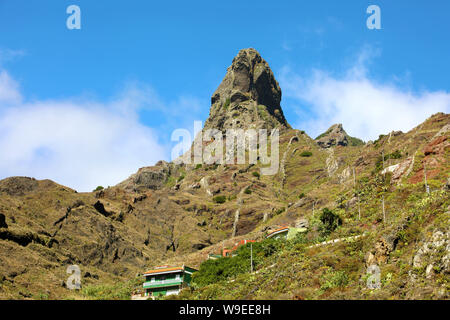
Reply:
x=164, y=280
x=229, y=252
x=285, y=233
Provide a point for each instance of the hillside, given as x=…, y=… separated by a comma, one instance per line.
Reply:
x=179, y=213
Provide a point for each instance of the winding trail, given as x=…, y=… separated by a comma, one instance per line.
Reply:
x=336, y=241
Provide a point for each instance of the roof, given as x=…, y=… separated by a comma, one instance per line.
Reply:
x=165, y=270
x=277, y=231
x=158, y=270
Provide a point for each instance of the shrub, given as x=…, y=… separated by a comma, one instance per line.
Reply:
x=330, y=221
x=219, y=199
x=301, y=195
x=395, y=155
x=248, y=191
x=333, y=279
x=99, y=188
x=306, y=154
x=256, y=174
x=198, y=166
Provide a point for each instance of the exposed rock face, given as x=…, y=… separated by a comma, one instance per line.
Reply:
x=434, y=255
x=398, y=169
x=437, y=146
x=336, y=136
x=380, y=254
x=248, y=97
x=3, y=223
x=147, y=178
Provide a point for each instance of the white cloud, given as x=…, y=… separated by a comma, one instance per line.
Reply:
x=78, y=143
x=9, y=90
x=365, y=107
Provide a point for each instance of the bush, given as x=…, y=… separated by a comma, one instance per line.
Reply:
x=333, y=279
x=99, y=188
x=306, y=154
x=330, y=221
x=198, y=166
x=256, y=174
x=301, y=195
x=248, y=191
x=219, y=199
x=395, y=155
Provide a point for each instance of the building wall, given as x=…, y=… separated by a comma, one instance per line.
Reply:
x=168, y=276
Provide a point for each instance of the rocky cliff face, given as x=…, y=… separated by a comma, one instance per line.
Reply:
x=248, y=97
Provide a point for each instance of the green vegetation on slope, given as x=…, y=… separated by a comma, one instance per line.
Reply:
x=297, y=269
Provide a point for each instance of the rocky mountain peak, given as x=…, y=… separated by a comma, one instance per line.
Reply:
x=336, y=136
x=248, y=97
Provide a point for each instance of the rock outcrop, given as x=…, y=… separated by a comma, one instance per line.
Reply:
x=152, y=178
x=3, y=223
x=336, y=136
x=248, y=97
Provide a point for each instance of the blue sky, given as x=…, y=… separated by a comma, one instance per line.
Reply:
x=149, y=67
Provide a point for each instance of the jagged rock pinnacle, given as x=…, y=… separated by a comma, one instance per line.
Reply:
x=248, y=97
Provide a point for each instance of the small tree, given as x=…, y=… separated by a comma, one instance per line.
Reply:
x=330, y=221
